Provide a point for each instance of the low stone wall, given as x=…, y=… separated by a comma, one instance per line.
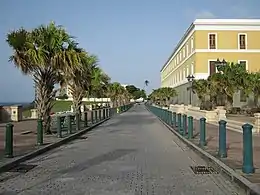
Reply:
x=215, y=116
x=197, y=113
x=10, y=113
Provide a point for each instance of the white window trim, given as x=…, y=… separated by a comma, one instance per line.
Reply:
x=216, y=37
x=192, y=68
x=183, y=53
x=238, y=41
x=187, y=49
x=244, y=61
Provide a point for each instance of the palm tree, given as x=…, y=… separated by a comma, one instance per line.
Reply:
x=99, y=82
x=201, y=88
x=118, y=94
x=80, y=80
x=146, y=83
x=43, y=53
x=163, y=94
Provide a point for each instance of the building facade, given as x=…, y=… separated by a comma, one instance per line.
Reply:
x=205, y=41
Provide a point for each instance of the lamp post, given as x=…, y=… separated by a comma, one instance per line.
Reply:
x=218, y=63
x=190, y=79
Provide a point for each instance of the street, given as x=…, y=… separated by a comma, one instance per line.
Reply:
x=131, y=154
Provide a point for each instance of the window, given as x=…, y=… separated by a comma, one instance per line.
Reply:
x=187, y=49
x=192, y=44
x=243, y=63
x=242, y=41
x=212, y=41
x=183, y=52
x=184, y=74
x=243, y=96
x=187, y=71
x=177, y=59
x=212, y=67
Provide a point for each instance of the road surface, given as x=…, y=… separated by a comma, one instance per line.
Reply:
x=131, y=154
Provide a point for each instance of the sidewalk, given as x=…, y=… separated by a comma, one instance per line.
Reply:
x=234, y=149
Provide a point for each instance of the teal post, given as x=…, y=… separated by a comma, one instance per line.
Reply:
x=171, y=122
x=85, y=119
x=39, y=132
x=179, y=122
x=174, y=119
x=9, y=140
x=248, y=166
x=69, y=124
x=167, y=117
x=184, y=124
x=202, y=132
x=104, y=113
x=92, y=117
x=77, y=121
x=95, y=116
x=59, y=132
x=222, y=149
x=190, y=127
x=99, y=115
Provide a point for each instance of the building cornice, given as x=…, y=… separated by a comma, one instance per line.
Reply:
x=215, y=24
x=178, y=45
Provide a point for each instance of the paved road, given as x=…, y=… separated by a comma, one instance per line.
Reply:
x=132, y=154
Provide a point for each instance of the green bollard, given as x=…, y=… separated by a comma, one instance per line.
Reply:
x=69, y=124
x=85, y=119
x=77, y=118
x=100, y=116
x=202, y=132
x=171, y=121
x=248, y=166
x=104, y=113
x=174, y=119
x=39, y=132
x=190, y=127
x=92, y=117
x=96, y=116
x=9, y=140
x=179, y=122
x=222, y=149
x=184, y=124
x=164, y=115
x=59, y=132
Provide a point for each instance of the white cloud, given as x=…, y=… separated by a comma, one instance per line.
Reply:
x=205, y=15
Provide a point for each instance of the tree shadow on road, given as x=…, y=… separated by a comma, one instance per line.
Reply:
x=110, y=156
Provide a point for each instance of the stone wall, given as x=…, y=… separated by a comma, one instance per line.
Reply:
x=10, y=113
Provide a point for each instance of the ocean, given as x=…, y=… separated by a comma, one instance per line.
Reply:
x=14, y=103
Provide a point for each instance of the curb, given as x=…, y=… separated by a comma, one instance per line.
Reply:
x=250, y=188
x=9, y=165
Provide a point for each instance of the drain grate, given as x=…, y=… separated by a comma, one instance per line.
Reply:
x=203, y=170
x=22, y=168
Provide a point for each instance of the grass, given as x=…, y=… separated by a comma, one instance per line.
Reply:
x=59, y=106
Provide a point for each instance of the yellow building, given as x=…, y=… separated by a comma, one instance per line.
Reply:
x=205, y=41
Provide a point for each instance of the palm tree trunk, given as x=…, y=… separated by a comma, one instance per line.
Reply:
x=44, y=102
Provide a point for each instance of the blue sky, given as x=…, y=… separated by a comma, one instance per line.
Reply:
x=132, y=39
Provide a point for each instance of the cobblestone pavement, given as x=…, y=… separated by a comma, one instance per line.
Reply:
x=132, y=154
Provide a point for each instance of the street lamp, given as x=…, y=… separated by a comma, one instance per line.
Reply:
x=219, y=63
x=190, y=79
